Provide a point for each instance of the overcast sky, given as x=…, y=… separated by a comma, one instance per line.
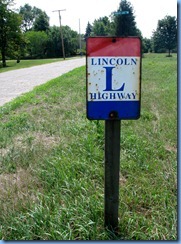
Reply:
x=147, y=12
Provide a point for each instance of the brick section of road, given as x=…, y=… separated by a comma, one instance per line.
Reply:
x=16, y=82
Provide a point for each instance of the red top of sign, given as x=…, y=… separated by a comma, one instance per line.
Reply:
x=114, y=46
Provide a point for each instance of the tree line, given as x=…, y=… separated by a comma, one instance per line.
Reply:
x=164, y=38
x=26, y=33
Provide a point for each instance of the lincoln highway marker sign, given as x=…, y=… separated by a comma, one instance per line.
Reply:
x=113, y=78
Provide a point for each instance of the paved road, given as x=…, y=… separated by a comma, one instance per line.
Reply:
x=14, y=83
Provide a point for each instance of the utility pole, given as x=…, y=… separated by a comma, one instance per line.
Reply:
x=61, y=33
x=80, y=45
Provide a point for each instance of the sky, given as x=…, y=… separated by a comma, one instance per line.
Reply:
x=79, y=12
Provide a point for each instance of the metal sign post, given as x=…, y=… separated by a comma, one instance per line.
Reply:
x=112, y=165
x=113, y=94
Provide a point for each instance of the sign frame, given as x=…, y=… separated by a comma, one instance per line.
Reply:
x=118, y=51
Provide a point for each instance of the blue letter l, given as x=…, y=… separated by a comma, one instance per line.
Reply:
x=109, y=80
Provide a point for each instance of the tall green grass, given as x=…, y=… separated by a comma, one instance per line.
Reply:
x=52, y=162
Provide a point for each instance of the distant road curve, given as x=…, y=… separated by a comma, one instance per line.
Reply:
x=16, y=82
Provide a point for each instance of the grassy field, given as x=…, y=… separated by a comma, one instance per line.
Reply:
x=12, y=64
x=52, y=162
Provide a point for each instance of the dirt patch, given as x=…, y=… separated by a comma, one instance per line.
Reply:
x=4, y=152
x=35, y=138
x=17, y=189
x=8, y=181
x=171, y=148
x=25, y=142
x=46, y=141
x=122, y=180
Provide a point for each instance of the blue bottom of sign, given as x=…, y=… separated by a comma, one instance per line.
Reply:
x=113, y=110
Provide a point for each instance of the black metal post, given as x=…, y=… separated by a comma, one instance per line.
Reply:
x=112, y=168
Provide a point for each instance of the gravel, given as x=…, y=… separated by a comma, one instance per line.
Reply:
x=16, y=82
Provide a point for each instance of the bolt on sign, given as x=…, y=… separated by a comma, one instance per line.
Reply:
x=113, y=78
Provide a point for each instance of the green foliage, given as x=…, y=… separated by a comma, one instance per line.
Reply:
x=33, y=18
x=119, y=25
x=13, y=44
x=165, y=36
x=41, y=22
x=54, y=42
x=146, y=45
x=10, y=33
x=28, y=16
x=125, y=24
x=36, y=22
x=54, y=47
x=102, y=27
x=70, y=41
x=88, y=31
x=37, y=44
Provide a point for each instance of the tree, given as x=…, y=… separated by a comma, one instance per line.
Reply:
x=165, y=36
x=54, y=47
x=88, y=31
x=28, y=17
x=70, y=41
x=10, y=32
x=41, y=22
x=54, y=42
x=101, y=27
x=33, y=18
x=146, y=45
x=37, y=43
x=125, y=24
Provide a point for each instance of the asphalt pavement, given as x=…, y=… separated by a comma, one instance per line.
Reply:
x=16, y=82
